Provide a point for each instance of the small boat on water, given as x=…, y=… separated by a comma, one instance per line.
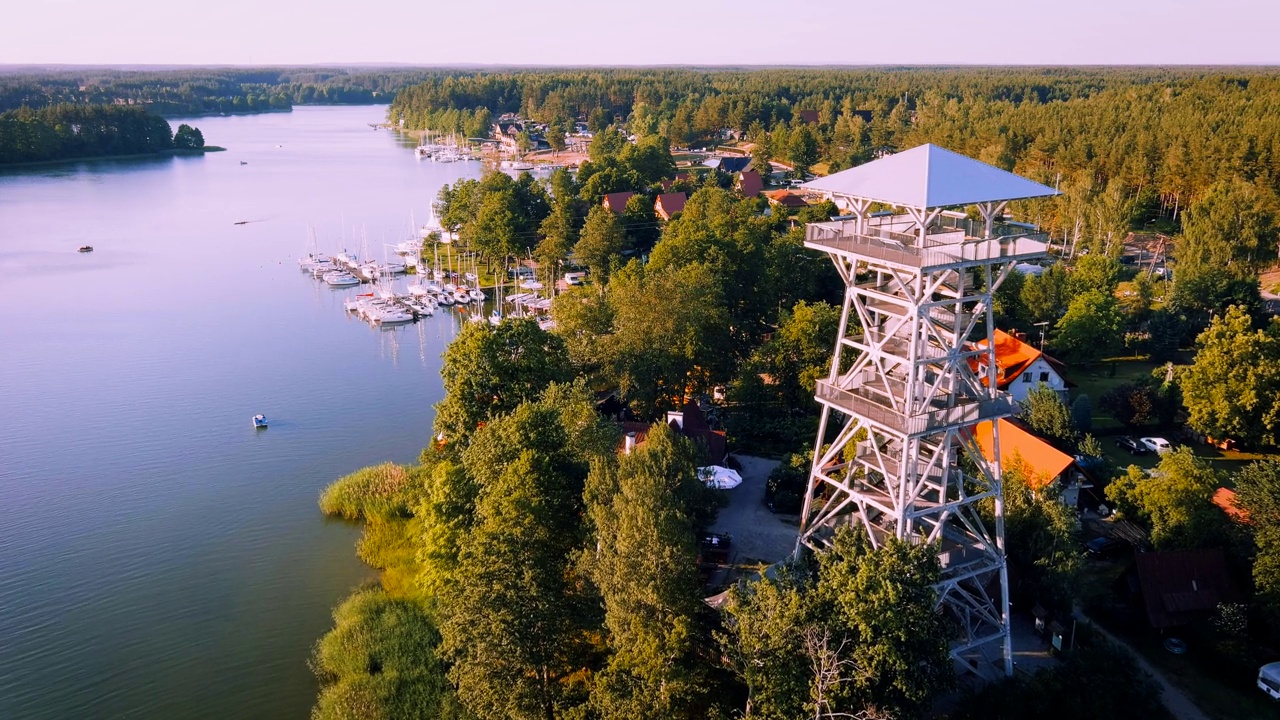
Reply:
x=259, y=420
x=85, y=248
x=476, y=294
x=341, y=279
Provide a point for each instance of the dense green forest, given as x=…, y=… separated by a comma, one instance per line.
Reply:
x=201, y=91
x=1124, y=144
x=62, y=132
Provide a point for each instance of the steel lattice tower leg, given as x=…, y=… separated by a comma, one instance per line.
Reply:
x=906, y=392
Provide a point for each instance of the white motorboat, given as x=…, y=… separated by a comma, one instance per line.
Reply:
x=461, y=297
x=476, y=294
x=470, y=277
x=341, y=279
x=394, y=316
x=409, y=247
x=259, y=421
x=393, y=266
x=495, y=317
x=444, y=298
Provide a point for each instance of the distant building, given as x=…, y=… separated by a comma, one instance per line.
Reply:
x=669, y=204
x=808, y=117
x=786, y=199
x=1226, y=501
x=507, y=133
x=1044, y=464
x=668, y=184
x=617, y=202
x=864, y=114
x=729, y=163
x=1020, y=367
x=749, y=183
x=1181, y=586
x=690, y=422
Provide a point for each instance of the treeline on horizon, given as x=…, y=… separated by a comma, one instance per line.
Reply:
x=81, y=131
x=203, y=91
x=1111, y=138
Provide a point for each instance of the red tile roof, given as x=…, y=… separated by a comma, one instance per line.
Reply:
x=669, y=204
x=667, y=184
x=808, y=116
x=1181, y=585
x=785, y=198
x=749, y=183
x=1043, y=461
x=617, y=202
x=1225, y=499
x=714, y=443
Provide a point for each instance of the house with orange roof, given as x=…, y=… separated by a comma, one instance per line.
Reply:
x=617, y=202
x=1020, y=366
x=1225, y=500
x=1042, y=463
x=669, y=204
x=785, y=198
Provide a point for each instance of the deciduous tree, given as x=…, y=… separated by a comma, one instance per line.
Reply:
x=490, y=370
x=1091, y=327
x=599, y=246
x=1232, y=390
x=646, y=570
x=1175, y=500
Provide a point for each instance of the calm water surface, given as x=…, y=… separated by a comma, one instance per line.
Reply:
x=159, y=558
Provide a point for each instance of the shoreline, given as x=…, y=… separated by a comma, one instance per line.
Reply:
x=184, y=152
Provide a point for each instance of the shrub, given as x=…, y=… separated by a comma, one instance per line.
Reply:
x=784, y=490
x=386, y=491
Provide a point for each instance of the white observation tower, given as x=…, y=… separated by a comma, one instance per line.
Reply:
x=908, y=382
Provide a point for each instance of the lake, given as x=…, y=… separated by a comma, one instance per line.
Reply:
x=159, y=557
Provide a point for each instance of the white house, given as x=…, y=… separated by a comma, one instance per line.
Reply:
x=1020, y=367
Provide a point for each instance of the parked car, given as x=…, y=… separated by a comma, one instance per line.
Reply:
x=1132, y=446
x=1157, y=445
x=1103, y=547
x=1269, y=679
x=714, y=547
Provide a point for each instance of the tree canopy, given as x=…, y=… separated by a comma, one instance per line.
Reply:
x=1232, y=390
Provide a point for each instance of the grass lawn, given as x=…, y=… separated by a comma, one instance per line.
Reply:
x=1097, y=379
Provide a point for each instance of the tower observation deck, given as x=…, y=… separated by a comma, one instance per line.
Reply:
x=902, y=389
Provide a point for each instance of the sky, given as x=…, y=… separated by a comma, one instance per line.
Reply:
x=599, y=32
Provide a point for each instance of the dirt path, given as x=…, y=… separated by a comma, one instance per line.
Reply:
x=1174, y=698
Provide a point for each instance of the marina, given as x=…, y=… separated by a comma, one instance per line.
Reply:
x=428, y=291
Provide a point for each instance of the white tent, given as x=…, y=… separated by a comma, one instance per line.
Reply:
x=927, y=177
x=719, y=478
